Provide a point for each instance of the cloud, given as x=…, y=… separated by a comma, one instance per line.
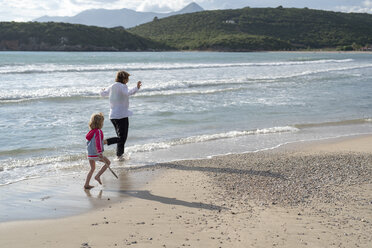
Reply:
x=11, y=10
x=85, y=2
x=364, y=7
x=162, y=6
x=27, y=10
x=368, y=3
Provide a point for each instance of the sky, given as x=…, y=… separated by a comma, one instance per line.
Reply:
x=27, y=10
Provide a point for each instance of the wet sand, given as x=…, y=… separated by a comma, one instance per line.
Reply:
x=316, y=194
x=57, y=197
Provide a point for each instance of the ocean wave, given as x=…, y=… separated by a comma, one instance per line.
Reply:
x=90, y=95
x=12, y=163
x=50, y=94
x=23, y=151
x=174, y=87
x=188, y=92
x=234, y=134
x=207, y=137
x=64, y=161
x=166, y=87
x=53, y=68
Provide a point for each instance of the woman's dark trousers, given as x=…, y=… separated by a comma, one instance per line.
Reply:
x=121, y=128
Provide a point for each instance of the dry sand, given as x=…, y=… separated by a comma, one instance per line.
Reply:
x=303, y=195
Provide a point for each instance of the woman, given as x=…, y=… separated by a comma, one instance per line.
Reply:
x=119, y=112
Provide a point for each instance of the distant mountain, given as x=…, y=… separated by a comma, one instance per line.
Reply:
x=191, y=8
x=260, y=29
x=113, y=18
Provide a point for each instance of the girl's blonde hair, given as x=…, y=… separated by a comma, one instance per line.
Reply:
x=96, y=121
x=121, y=76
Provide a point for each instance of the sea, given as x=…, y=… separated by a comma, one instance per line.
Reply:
x=192, y=105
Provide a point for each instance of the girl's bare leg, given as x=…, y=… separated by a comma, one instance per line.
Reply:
x=90, y=173
x=103, y=169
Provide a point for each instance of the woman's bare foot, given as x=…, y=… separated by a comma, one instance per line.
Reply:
x=88, y=187
x=98, y=179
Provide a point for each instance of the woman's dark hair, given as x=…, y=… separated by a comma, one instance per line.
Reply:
x=121, y=76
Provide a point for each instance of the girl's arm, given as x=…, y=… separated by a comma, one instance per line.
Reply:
x=98, y=140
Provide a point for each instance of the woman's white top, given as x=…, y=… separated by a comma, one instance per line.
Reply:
x=119, y=100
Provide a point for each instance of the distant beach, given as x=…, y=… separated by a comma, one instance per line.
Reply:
x=314, y=194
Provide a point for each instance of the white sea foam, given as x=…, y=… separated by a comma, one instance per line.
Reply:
x=173, y=87
x=19, y=95
x=188, y=92
x=208, y=137
x=65, y=160
x=52, y=68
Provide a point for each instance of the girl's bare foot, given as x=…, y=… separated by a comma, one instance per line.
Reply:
x=88, y=187
x=98, y=179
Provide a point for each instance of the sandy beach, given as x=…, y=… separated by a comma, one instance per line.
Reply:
x=316, y=194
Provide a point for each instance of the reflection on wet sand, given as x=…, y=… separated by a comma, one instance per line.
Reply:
x=62, y=196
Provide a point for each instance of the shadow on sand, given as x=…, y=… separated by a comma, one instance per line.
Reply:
x=222, y=170
x=146, y=195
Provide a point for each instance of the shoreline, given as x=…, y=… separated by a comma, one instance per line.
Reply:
x=313, y=193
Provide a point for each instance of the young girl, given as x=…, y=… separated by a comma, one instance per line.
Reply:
x=95, y=148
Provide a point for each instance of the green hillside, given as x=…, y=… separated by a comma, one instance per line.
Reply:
x=252, y=29
x=33, y=36
x=247, y=29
